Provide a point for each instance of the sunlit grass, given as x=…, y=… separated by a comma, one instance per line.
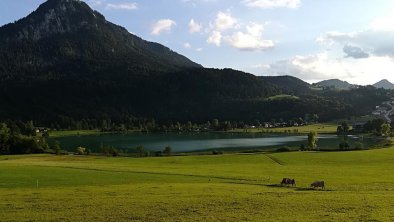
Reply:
x=64, y=133
x=319, y=128
x=360, y=187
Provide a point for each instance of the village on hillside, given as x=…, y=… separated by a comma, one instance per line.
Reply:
x=385, y=111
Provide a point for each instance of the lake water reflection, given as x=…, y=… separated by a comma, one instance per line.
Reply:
x=188, y=142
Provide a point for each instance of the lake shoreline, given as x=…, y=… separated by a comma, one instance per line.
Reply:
x=208, y=142
x=324, y=128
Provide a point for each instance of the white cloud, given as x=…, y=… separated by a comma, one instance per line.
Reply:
x=330, y=38
x=362, y=57
x=375, y=42
x=322, y=66
x=225, y=28
x=124, y=6
x=252, y=40
x=194, y=26
x=305, y=67
x=199, y=49
x=215, y=38
x=164, y=25
x=273, y=3
x=187, y=45
x=225, y=21
x=228, y=29
x=255, y=30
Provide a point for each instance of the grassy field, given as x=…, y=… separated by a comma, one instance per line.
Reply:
x=319, y=128
x=64, y=133
x=360, y=187
x=283, y=97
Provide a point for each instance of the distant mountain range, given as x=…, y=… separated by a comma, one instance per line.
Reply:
x=343, y=85
x=65, y=63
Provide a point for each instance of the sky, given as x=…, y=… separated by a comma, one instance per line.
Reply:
x=352, y=40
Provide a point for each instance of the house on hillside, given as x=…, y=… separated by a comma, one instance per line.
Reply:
x=41, y=129
x=380, y=111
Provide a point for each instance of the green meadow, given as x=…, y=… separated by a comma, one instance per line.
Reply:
x=325, y=128
x=233, y=187
x=322, y=128
x=64, y=133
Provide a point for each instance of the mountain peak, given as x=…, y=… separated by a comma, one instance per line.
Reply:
x=61, y=4
x=69, y=38
x=385, y=84
x=335, y=84
x=54, y=17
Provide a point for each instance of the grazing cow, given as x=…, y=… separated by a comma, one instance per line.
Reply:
x=288, y=181
x=293, y=183
x=318, y=184
x=284, y=181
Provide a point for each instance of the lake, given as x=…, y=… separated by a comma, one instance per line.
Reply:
x=190, y=142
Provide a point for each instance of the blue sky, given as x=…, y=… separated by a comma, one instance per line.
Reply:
x=311, y=39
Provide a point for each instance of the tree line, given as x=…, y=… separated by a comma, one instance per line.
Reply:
x=126, y=124
x=21, y=138
x=378, y=127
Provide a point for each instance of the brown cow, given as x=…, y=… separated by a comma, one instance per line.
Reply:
x=288, y=181
x=318, y=184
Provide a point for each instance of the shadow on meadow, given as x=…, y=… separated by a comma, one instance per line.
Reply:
x=296, y=188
